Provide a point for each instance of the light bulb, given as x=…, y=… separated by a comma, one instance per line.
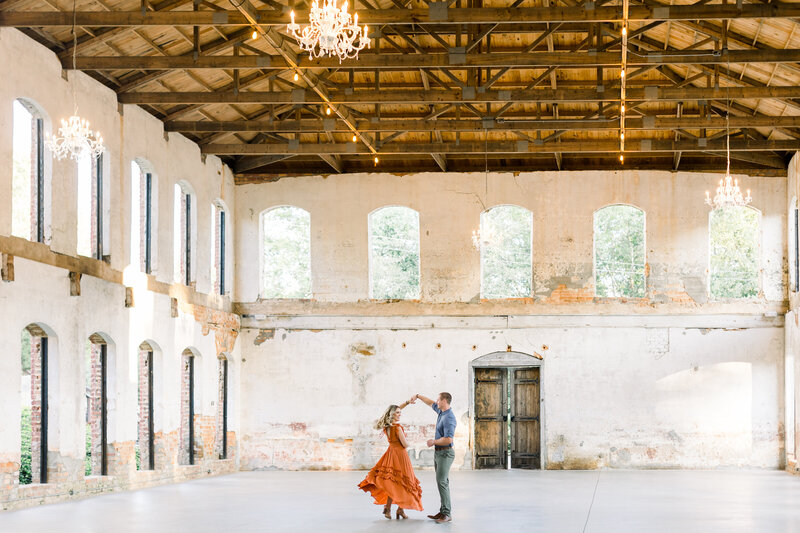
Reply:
x=624, y=30
x=354, y=138
x=292, y=16
x=376, y=159
x=621, y=158
x=623, y=109
x=296, y=76
x=622, y=73
x=622, y=136
x=255, y=34
x=328, y=111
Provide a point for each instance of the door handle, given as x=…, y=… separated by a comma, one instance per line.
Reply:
x=505, y=418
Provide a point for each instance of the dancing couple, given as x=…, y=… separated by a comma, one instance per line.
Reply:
x=392, y=479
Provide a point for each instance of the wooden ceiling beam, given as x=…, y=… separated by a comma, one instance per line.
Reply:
x=435, y=96
x=396, y=61
x=422, y=125
x=483, y=15
x=508, y=147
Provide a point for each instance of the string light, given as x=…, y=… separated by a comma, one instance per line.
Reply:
x=355, y=138
x=621, y=158
x=622, y=73
x=623, y=66
x=376, y=159
x=296, y=76
x=255, y=34
x=328, y=111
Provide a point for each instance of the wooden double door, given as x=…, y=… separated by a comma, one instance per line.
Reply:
x=507, y=417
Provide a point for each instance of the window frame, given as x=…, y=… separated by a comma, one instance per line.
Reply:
x=644, y=249
x=370, y=260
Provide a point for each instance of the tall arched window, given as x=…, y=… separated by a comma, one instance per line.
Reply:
x=286, y=253
x=619, y=251
x=734, y=241
x=394, y=253
x=30, y=182
x=94, y=210
x=99, y=368
x=506, y=252
x=219, y=246
x=144, y=212
x=146, y=435
x=37, y=405
x=189, y=441
x=185, y=233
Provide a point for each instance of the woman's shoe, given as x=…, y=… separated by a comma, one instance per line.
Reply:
x=387, y=511
x=400, y=514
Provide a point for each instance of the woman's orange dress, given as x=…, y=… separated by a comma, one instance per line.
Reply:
x=393, y=476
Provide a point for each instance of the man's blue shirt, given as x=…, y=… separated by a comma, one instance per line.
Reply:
x=445, y=423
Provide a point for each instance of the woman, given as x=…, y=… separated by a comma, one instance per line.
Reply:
x=392, y=479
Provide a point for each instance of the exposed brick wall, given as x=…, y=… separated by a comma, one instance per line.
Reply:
x=36, y=407
x=186, y=392
x=34, y=181
x=95, y=418
x=220, y=408
x=144, y=411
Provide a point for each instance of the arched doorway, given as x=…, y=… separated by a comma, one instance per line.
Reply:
x=506, y=409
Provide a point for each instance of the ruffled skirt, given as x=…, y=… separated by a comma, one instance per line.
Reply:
x=393, y=477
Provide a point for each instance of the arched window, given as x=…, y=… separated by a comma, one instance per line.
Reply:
x=506, y=237
x=734, y=241
x=619, y=252
x=219, y=246
x=185, y=233
x=144, y=212
x=221, y=444
x=99, y=368
x=189, y=442
x=394, y=253
x=794, y=247
x=37, y=404
x=30, y=180
x=146, y=435
x=286, y=253
x=94, y=203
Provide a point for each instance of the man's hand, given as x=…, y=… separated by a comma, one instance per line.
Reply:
x=413, y=399
x=430, y=443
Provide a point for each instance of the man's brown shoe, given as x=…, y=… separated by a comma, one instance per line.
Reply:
x=436, y=516
x=443, y=519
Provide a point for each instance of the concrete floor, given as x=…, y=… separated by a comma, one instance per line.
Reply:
x=488, y=501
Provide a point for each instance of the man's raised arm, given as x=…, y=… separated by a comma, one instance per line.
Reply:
x=427, y=401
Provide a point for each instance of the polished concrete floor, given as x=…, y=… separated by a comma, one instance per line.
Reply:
x=488, y=502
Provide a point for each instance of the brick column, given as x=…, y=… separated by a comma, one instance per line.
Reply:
x=183, y=453
x=144, y=411
x=36, y=408
x=218, y=433
x=95, y=418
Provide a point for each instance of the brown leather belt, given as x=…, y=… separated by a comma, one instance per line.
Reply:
x=440, y=448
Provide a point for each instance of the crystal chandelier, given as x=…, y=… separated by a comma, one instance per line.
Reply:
x=75, y=139
x=728, y=192
x=331, y=32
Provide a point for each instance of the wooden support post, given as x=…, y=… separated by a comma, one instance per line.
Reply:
x=7, y=267
x=75, y=283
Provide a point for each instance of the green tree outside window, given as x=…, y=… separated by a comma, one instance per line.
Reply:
x=286, y=261
x=506, y=260
x=394, y=253
x=619, y=255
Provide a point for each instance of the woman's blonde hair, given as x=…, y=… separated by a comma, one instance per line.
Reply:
x=385, y=421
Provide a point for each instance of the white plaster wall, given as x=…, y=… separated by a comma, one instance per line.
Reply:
x=685, y=397
x=41, y=293
x=563, y=204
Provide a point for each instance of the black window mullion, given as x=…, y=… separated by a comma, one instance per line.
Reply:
x=150, y=413
x=39, y=180
x=222, y=252
x=188, y=241
x=191, y=410
x=148, y=223
x=103, y=410
x=44, y=408
x=224, y=409
x=99, y=208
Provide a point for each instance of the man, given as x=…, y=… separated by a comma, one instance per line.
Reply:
x=444, y=454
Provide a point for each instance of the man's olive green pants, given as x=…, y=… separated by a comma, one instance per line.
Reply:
x=442, y=461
